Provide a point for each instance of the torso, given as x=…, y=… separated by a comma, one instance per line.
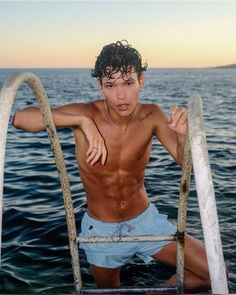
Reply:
x=115, y=192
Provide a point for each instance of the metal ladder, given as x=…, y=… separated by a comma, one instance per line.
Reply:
x=218, y=279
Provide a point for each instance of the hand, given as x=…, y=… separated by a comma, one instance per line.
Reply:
x=97, y=149
x=177, y=120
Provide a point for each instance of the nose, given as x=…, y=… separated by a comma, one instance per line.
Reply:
x=120, y=92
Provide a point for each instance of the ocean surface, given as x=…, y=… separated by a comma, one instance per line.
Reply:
x=35, y=252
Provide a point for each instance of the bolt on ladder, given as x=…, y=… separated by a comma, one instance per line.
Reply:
x=219, y=282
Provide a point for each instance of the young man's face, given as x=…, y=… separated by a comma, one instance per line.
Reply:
x=121, y=93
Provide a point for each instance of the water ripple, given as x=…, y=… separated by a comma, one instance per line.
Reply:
x=35, y=251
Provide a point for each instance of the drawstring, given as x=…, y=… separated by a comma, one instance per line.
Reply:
x=120, y=227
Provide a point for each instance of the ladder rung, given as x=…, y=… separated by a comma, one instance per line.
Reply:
x=145, y=238
x=128, y=290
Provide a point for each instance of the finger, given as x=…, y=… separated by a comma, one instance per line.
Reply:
x=93, y=158
x=90, y=150
x=104, y=155
x=174, y=109
x=170, y=118
x=96, y=152
x=183, y=118
x=177, y=117
x=96, y=158
x=94, y=145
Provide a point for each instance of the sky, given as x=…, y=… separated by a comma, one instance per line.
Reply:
x=71, y=34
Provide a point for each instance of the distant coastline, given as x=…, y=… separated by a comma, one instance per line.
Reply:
x=232, y=66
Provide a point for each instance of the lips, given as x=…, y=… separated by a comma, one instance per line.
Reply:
x=123, y=106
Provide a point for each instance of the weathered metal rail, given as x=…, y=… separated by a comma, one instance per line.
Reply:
x=125, y=239
x=7, y=96
x=130, y=290
x=206, y=198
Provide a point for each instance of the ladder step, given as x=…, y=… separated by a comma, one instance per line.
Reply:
x=145, y=238
x=129, y=290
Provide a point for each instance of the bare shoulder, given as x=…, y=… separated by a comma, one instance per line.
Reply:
x=80, y=108
x=153, y=112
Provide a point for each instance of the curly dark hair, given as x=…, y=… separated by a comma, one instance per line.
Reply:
x=118, y=57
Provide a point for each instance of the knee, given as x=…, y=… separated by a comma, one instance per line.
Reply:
x=105, y=277
x=208, y=281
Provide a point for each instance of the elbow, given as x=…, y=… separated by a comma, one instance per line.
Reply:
x=20, y=121
x=16, y=122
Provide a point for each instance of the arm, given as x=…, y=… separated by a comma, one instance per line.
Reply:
x=171, y=130
x=30, y=119
x=72, y=115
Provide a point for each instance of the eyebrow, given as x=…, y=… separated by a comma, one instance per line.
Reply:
x=124, y=81
x=130, y=80
x=108, y=83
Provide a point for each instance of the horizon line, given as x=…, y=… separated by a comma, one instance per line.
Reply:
x=155, y=67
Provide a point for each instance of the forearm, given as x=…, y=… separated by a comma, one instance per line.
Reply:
x=30, y=119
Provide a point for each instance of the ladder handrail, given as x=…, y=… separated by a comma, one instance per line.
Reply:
x=125, y=239
x=206, y=198
x=182, y=213
x=7, y=95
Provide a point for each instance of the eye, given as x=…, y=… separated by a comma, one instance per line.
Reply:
x=129, y=83
x=108, y=86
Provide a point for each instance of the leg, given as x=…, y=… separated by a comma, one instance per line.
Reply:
x=106, y=277
x=196, y=268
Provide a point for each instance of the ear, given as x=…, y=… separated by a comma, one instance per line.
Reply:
x=141, y=80
x=99, y=84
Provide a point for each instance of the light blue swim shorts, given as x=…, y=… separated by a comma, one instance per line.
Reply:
x=114, y=255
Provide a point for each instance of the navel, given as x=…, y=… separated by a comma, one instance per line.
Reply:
x=122, y=205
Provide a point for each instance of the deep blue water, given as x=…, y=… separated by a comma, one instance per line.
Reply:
x=35, y=252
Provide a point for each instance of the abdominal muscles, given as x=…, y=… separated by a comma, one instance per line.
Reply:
x=116, y=197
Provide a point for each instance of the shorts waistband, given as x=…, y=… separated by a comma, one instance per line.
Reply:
x=136, y=219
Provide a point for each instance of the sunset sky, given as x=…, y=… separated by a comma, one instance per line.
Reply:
x=72, y=33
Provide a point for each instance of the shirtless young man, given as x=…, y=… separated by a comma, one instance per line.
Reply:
x=113, y=139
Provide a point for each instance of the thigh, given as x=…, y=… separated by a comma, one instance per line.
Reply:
x=194, y=255
x=106, y=277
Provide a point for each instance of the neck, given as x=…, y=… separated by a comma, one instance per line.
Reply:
x=121, y=123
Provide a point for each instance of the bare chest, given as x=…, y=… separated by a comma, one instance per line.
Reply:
x=127, y=147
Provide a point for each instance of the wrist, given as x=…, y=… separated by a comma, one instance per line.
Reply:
x=180, y=138
x=84, y=120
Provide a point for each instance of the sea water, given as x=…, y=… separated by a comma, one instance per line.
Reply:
x=35, y=252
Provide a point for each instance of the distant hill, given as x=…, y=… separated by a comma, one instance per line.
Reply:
x=232, y=66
